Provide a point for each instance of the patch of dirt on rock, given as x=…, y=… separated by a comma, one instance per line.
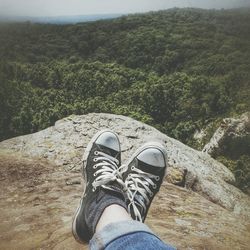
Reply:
x=37, y=205
x=38, y=201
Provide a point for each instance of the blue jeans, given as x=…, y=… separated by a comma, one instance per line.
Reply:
x=127, y=235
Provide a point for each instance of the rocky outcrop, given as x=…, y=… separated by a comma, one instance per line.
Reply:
x=229, y=129
x=40, y=188
x=38, y=201
x=64, y=144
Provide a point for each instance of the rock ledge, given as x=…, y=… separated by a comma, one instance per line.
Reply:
x=64, y=144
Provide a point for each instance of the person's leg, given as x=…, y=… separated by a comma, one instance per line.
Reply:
x=102, y=214
x=101, y=171
x=138, y=241
x=112, y=214
x=116, y=230
x=143, y=178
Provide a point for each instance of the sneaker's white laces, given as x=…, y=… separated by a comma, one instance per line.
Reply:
x=138, y=186
x=108, y=170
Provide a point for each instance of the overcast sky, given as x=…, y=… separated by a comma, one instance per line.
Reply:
x=86, y=7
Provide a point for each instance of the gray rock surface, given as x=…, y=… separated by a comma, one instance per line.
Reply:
x=64, y=144
x=229, y=128
x=39, y=199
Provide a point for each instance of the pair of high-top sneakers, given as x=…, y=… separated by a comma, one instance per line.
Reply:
x=107, y=181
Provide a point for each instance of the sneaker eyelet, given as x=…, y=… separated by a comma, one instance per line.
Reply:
x=133, y=168
x=96, y=153
x=95, y=174
x=94, y=167
x=95, y=159
x=93, y=189
x=157, y=178
x=151, y=195
x=154, y=186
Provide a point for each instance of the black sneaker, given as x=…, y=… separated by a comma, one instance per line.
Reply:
x=103, y=183
x=143, y=178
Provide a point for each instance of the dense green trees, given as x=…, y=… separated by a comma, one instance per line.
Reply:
x=39, y=94
x=178, y=70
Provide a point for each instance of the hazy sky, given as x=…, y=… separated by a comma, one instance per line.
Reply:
x=85, y=7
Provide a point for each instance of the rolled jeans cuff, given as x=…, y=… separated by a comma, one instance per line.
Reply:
x=115, y=230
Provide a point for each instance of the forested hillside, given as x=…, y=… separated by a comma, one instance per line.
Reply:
x=178, y=70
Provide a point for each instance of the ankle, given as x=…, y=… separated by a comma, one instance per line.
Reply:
x=112, y=214
x=102, y=202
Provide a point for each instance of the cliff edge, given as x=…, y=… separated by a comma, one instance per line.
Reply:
x=198, y=206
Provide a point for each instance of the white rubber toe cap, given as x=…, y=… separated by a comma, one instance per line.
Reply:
x=153, y=157
x=109, y=140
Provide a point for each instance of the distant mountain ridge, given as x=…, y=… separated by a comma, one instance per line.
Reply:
x=60, y=19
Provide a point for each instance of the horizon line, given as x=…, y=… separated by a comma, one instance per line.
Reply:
x=121, y=13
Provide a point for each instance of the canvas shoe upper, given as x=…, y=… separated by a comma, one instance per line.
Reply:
x=143, y=178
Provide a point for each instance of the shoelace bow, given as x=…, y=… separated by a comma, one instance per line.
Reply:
x=137, y=186
x=108, y=170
